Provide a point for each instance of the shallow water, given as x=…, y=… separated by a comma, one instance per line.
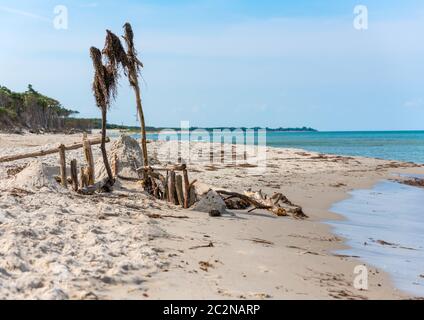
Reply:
x=391, y=212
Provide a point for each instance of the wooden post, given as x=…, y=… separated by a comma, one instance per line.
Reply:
x=192, y=197
x=171, y=188
x=155, y=188
x=83, y=178
x=74, y=175
x=63, y=176
x=115, y=165
x=179, y=189
x=89, y=157
x=186, y=189
x=165, y=187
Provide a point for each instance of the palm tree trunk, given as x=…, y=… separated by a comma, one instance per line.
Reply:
x=103, y=148
x=142, y=123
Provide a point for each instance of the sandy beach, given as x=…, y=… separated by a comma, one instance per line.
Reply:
x=56, y=244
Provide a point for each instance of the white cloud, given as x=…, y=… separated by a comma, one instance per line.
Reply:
x=89, y=5
x=24, y=13
x=414, y=103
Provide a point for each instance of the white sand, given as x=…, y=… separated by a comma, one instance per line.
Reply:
x=57, y=244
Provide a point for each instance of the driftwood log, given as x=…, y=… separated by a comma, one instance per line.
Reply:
x=46, y=152
x=277, y=204
x=101, y=186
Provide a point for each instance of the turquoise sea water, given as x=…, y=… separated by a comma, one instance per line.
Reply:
x=393, y=213
x=390, y=145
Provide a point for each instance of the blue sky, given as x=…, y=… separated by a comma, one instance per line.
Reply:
x=232, y=62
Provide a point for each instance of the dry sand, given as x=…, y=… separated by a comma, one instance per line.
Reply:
x=55, y=244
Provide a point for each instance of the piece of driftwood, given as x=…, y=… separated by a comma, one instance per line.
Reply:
x=155, y=187
x=235, y=203
x=83, y=178
x=179, y=189
x=262, y=241
x=186, y=189
x=115, y=165
x=166, y=168
x=101, y=186
x=253, y=202
x=62, y=158
x=161, y=216
x=278, y=200
x=277, y=204
x=193, y=196
x=89, y=158
x=165, y=184
x=210, y=245
x=42, y=153
x=171, y=188
x=74, y=175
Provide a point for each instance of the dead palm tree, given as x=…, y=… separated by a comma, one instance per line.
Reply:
x=104, y=89
x=118, y=58
x=133, y=68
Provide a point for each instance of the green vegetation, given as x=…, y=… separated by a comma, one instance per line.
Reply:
x=31, y=110
x=14, y=101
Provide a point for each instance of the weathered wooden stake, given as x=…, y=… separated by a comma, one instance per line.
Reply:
x=83, y=178
x=74, y=175
x=165, y=187
x=179, y=189
x=89, y=157
x=186, y=189
x=115, y=166
x=192, y=198
x=63, y=176
x=171, y=188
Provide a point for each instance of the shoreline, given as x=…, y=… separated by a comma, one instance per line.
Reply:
x=301, y=250
x=383, y=226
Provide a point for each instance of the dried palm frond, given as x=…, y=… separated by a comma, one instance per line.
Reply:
x=104, y=89
x=104, y=83
x=115, y=54
x=134, y=65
